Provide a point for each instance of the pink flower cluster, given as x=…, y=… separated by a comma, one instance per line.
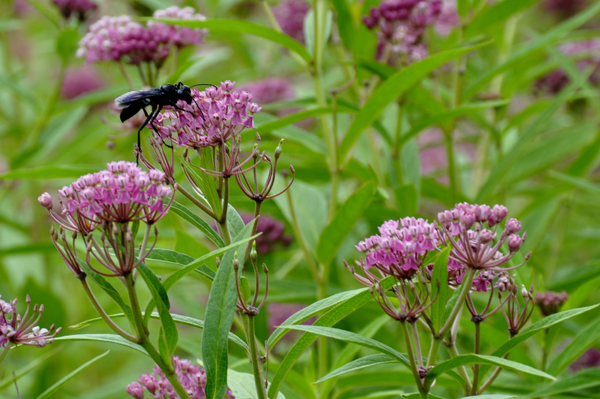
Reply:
x=550, y=302
x=270, y=90
x=400, y=248
x=122, y=193
x=77, y=8
x=23, y=330
x=471, y=231
x=121, y=39
x=180, y=36
x=272, y=233
x=192, y=377
x=402, y=24
x=79, y=81
x=290, y=16
x=223, y=113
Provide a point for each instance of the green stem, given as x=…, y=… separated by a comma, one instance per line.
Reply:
x=196, y=202
x=255, y=357
x=145, y=342
x=411, y=357
x=126, y=76
x=276, y=26
x=223, y=219
x=103, y=314
x=461, y=370
x=433, y=352
x=254, y=229
x=396, y=150
x=465, y=287
x=477, y=351
x=545, y=350
x=4, y=352
x=452, y=172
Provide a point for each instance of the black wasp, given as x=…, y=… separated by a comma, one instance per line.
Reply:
x=132, y=102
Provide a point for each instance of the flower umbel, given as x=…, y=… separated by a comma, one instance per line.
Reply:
x=192, y=377
x=22, y=330
x=550, y=302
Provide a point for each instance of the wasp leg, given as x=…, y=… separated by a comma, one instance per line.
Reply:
x=149, y=118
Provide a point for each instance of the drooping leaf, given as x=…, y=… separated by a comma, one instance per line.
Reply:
x=48, y=172
x=108, y=338
x=586, y=379
x=359, y=364
x=462, y=360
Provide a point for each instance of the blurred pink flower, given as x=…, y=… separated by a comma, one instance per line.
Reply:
x=80, y=80
x=290, y=16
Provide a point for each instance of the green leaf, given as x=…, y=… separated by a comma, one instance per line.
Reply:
x=219, y=317
x=232, y=25
x=49, y=172
x=359, y=364
x=278, y=123
x=344, y=22
x=161, y=299
x=497, y=13
x=492, y=396
x=586, y=379
x=26, y=249
x=340, y=226
x=440, y=280
x=447, y=115
x=553, y=35
x=9, y=380
x=108, y=288
x=197, y=222
x=333, y=315
x=235, y=221
x=417, y=395
x=543, y=120
x=534, y=329
x=585, y=339
x=242, y=385
x=353, y=338
x=108, y=338
x=66, y=43
x=292, y=133
x=407, y=198
x=170, y=256
x=390, y=90
x=48, y=392
x=462, y=360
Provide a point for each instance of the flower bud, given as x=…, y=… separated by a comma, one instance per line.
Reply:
x=514, y=242
x=135, y=390
x=45, y=200
x=279, y=149
x=486, y=236
x=512, y=226
x=253, y=253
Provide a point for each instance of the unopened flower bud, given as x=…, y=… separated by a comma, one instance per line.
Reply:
x=512, y=226
x=45, y=200
x=135, y=390
x=253, y=253
x=486, y=236
x=279, y=149
x=514, y=242
x=524, y=292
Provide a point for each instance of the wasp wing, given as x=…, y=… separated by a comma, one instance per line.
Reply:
x=134, y=96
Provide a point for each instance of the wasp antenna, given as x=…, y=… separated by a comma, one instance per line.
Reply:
x=204, y=84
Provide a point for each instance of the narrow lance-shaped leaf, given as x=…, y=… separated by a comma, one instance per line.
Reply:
x=534, y=329
x=161, y=299
x=219, y=317
x=48, y=392
x=586, y=338
x=107, y=338
x=462, y=360
x=586, y=379
x=336, y=231
x=359, y=364
x=197, y=222
x=391, y=89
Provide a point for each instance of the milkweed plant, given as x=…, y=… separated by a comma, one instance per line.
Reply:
x=334, y=199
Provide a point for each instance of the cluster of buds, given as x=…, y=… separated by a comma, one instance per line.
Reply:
x=215, y=115
x=588, y=55
x=192, y=377
x=121, y=39
x=110, y=201
x=398, y=251
x=401, y=26
x=22, y=330
x=79, y=9
x=471, y=230
x=550, y=302
x=272, y=233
